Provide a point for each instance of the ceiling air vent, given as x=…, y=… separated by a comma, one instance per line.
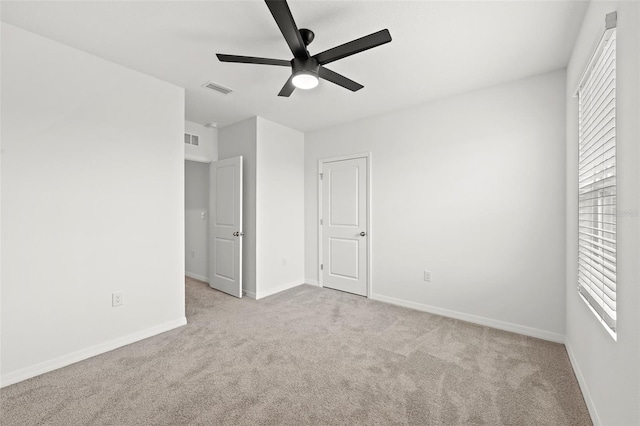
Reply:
x=190, y=139
x=217, y=87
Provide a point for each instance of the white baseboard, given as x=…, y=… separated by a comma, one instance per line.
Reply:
x=312, y=282
x=261, y=294
x=197, y=277
x=583, y=385
x=493, y=323
x=249, y=294
x=73, y=357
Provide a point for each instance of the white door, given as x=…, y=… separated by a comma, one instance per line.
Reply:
x=225, y=230
x=344, y=225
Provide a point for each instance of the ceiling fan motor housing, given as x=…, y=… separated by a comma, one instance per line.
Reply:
x=309, y=65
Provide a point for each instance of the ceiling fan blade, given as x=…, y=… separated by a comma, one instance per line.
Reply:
x=353, y=47
x=339, y=79
x=252, y=60
x=282, y=14
x=288, y=88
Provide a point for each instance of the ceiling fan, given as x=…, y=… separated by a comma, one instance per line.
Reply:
x=306, y=70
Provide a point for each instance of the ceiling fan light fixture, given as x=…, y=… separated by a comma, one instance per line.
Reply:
x=305, y=80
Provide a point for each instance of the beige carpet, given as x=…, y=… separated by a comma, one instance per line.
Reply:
x=309, y=356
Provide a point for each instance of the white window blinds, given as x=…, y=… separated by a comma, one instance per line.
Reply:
x=597, y=182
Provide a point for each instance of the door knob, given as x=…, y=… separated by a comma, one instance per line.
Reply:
x=241, y=234
x=235, y=234
x=362, y=234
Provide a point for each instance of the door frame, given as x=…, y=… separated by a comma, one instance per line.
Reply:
x=321, y=162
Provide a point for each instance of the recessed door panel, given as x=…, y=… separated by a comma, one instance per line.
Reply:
x=224, y=258
x=225, y=203
x=343, y=258
x=343, y=205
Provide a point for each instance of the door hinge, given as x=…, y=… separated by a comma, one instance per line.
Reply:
x=321, y=222
x=321, y=267
x=321, y=176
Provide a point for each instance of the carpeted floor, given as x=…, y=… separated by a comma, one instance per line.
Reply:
x=309, y=356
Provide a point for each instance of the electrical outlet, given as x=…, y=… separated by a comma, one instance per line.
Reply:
x=117, y=299
x=427, y=276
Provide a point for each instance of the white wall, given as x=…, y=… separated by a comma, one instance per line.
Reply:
x=608, y=371
x=93, y=189
x=196, y=211
x=273, y=203
x=471, y=188
x=280, y=208
x=234, y=140
x=207, y=149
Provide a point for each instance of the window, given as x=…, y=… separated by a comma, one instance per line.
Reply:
x=597, y=181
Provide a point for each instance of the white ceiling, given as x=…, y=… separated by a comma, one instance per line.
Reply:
x=439, y=48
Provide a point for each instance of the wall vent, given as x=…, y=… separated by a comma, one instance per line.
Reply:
x=217, y=87
x=190, y=139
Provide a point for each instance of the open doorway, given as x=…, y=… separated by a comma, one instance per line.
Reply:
x=196, y=217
